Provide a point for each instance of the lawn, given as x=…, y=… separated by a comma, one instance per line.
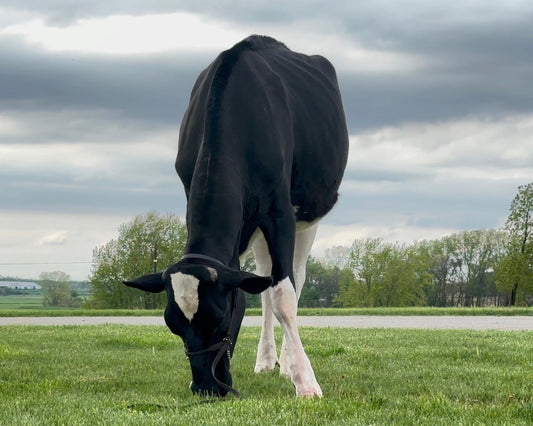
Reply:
x=9, y=303
x=16, y=306
x=116, y=374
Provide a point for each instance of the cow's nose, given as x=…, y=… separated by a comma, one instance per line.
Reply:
x=207, y=390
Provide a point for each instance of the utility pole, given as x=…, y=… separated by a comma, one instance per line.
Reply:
x=154, y=295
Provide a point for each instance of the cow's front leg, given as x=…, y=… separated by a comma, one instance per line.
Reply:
x=284, y=305
x=266, y=359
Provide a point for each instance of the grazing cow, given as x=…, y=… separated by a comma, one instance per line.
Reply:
x=262, y=151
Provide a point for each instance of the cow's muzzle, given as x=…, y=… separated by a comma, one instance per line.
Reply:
x=223, y=348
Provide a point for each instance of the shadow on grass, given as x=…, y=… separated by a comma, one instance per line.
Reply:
x=146, y=407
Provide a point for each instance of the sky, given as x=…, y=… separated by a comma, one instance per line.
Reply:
x=438, y=98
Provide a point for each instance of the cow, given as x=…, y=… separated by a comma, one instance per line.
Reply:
x=262, y=150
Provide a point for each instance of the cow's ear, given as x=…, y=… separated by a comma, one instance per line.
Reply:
x=250, y=283
x=153, y=283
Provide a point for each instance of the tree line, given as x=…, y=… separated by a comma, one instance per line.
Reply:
x=458, y=270
x=472, y=268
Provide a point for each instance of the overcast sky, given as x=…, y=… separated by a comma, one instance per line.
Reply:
x=438, y=96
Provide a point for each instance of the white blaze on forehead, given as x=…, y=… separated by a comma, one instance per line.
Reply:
x=186, y=293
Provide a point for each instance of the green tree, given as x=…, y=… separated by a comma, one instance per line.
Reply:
x=403, y=276
x=248, y=265
x=338, y=256
x=321, y=285
x=462, y=267
x=385, y=275
x=514, y=273
x=56, y=289
x=441, y=257
x=361, y=291
x=149, y=242
x=474, y=258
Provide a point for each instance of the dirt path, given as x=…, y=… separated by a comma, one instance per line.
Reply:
x=511, y=323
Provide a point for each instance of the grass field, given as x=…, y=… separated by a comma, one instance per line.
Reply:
x=139, y=375
x=8, y=303
x=14, y=306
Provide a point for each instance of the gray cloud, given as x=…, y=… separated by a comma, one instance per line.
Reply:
x=476, y=60
x=96, y=134
x=152, y=88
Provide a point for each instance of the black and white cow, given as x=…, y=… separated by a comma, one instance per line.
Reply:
x=262, y=151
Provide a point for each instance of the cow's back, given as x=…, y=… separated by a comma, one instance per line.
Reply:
x=320, y=136
x=290, y=103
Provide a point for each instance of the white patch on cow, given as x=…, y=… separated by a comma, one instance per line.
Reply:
x=303, y=225
x=185, y=289
x=212, y=273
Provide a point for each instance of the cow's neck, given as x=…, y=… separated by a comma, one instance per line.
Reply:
x=214, y=209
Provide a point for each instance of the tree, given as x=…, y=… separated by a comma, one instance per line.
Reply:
x=514, y=272
x=385, y=274
x=321, y=285
x=360, y=291
x=462, y=267
x=56, y=289
x=440, y=254
x=474, y=256
x=147, y=243
x=337, y=256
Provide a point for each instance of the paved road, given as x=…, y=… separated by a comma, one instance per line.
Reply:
x=512, y=323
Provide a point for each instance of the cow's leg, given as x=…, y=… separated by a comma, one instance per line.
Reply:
x=302, y=247
x=280, y=235
x=266, y=350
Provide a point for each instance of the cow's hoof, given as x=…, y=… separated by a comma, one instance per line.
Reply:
x=265, y=365
x=309, y=392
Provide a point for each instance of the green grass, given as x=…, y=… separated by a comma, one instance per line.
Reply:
x=139, y=375
x=16, y=306
x=502, y=311
x=76, y=312
x=8, y=303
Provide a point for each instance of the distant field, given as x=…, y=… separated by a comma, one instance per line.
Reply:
x=416, y=311
x=21, y=302
x=14, y=306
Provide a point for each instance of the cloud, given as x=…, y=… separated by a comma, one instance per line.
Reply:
x=330, y=235
x=422, y=181
x=92, y=176
x=53, y=241
x=128, y=34
x=135, y=90
x=473, y=147
x=421, y=62
x=58, y=238
x=437, y=97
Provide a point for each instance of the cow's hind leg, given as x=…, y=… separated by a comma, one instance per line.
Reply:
x=280, y=236
x=266, y=350
x=299, y=367
x=302, y=247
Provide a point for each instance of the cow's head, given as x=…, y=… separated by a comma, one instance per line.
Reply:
x=205, y=308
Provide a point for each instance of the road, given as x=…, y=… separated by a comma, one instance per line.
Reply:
x=506, y=323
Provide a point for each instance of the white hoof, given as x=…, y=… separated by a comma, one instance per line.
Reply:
x=310, y=391
x=265, y=364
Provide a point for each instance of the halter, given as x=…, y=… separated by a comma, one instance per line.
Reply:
x=226, y=345
x=203, y=257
